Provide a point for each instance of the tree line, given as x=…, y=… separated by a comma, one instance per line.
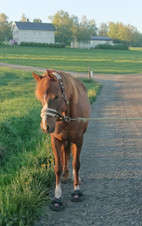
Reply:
x=70, y=28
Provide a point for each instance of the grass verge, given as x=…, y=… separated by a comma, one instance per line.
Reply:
x=26, y=159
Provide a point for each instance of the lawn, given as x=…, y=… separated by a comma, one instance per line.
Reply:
x=26, y=159
x=79, y=60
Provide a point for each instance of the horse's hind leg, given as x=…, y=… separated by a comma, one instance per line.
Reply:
x=66, y=146
x=76, y=149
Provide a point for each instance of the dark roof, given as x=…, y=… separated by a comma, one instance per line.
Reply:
x=103, y=38
x=35, y=26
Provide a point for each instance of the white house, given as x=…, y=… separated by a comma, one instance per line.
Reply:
x=33, y=32
x=93, y=42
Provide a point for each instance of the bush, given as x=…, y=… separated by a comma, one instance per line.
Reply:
x=50, y=45
x=115, y=47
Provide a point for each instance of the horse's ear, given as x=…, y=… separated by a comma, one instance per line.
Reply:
x=37, y=77
x=50, y=75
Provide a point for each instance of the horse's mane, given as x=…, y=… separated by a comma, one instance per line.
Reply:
x=72, y=86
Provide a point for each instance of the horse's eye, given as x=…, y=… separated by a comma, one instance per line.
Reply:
x=56, y=97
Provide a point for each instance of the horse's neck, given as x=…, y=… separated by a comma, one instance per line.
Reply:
x=71, y=91
x=72, y=95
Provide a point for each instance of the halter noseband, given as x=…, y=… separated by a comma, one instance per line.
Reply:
x=52, y=112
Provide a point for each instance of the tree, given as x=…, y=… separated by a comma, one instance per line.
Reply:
x=5, y=29
x=92, y=27
x=113, y=30
x=63, y=24
x=137, y=39
x=86, y=29
x=24, y=18
x=68, y=28
x=84, y=33
x=121, y=32
x=75, y=27
x=103, y=30
x=37, y=20
x=3, y=18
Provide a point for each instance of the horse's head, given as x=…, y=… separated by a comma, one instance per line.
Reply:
x=50, y=92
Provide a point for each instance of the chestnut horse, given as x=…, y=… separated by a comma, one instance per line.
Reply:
x=63, y=98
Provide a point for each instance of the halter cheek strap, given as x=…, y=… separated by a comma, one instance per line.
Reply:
x=52, y=112
x=58, y=77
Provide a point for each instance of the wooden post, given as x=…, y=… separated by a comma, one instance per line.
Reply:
x=89, y=73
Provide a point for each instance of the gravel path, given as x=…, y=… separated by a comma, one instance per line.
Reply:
x=37, y=69
x=111, y=161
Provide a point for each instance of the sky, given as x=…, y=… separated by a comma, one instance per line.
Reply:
x=102, y=11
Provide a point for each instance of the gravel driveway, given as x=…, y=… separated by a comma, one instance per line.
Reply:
x=111, y=161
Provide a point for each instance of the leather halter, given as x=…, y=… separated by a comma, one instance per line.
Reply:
x=52, y=112
x=58, y=77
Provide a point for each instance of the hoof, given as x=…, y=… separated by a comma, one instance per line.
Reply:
x=57, y=204
x=77, y=196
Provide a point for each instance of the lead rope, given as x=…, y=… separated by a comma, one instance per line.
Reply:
x=53, y=113
x=102, y=119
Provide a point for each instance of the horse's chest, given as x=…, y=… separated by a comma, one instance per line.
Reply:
x=70, y=133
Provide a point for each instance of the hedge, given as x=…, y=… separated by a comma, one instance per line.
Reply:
x=33, y=44
x=115, y=47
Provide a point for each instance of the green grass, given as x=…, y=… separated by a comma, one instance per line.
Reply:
x=23, y=150
x=26, y=159
x=93, y=88
x=79, y=60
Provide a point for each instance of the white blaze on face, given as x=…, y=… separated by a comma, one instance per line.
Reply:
x=45, y=106
x=58, y=191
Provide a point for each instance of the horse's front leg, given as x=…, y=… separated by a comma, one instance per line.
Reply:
x=76, y=149
x=66, y=146
x=56, y=147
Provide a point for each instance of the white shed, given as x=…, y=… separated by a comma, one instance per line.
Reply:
x=33, y=32
x=93, y=42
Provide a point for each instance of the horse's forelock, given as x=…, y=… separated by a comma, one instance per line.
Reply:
x=42, y=87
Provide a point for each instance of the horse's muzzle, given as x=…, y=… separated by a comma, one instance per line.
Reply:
x=47, y=128
x=49, y=117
